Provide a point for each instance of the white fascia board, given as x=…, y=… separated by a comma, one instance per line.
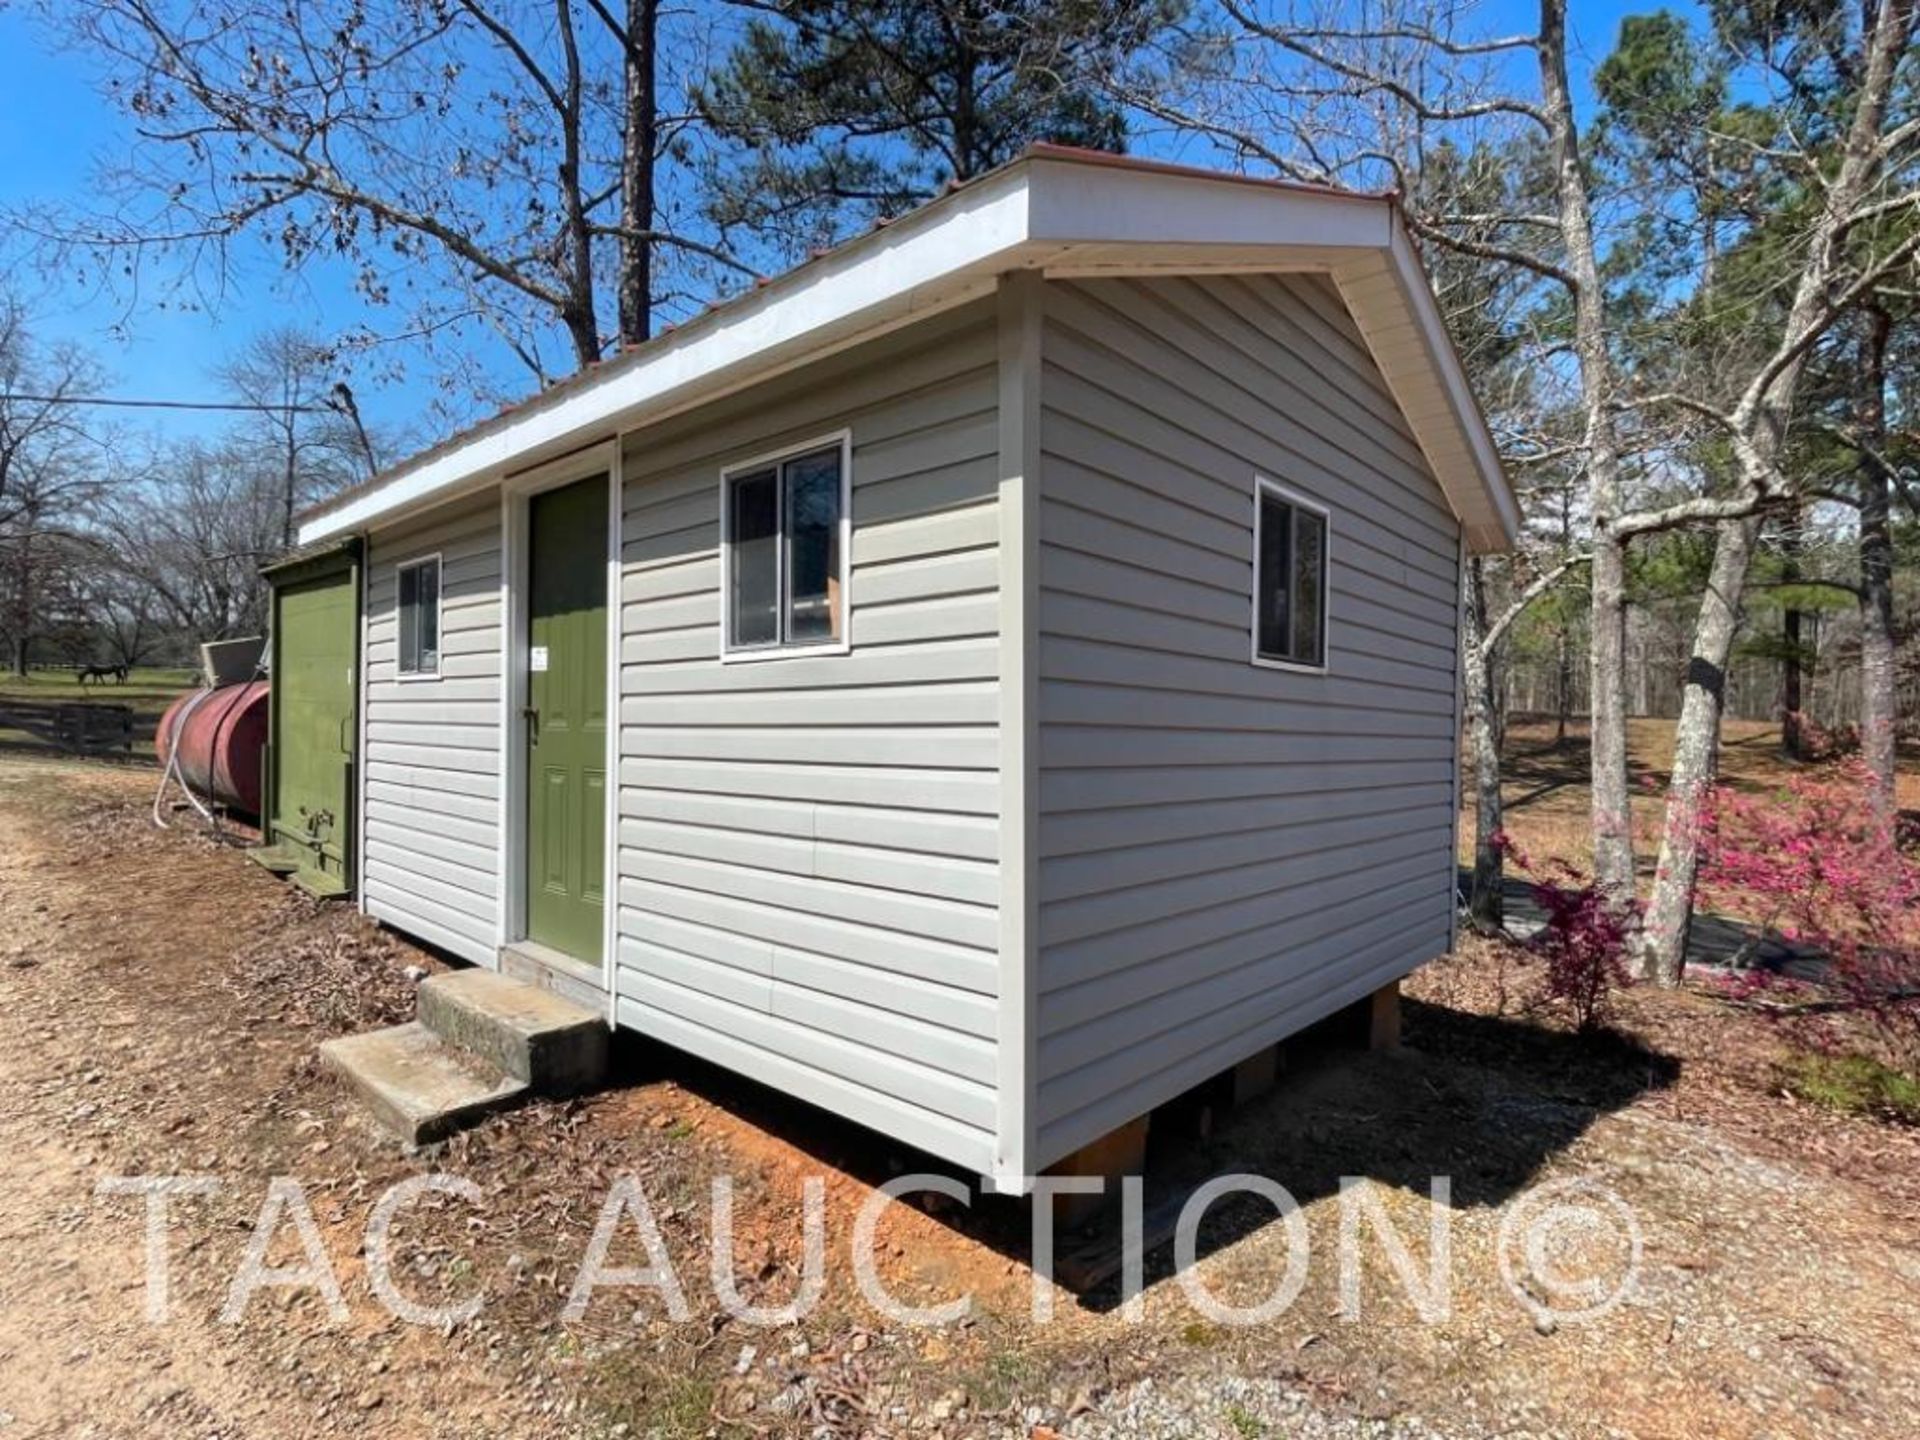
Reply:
x=1032, y=213
x=1077, y=203
x=1452, y=375
x=889, y=274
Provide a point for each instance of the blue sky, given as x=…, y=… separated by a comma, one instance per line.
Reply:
x=55, y=131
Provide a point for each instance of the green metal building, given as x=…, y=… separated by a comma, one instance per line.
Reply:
x=313, y=659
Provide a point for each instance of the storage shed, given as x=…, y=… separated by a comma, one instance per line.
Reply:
x=982, y=682
x=309, y=789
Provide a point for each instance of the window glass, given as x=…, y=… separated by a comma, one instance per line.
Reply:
x=420, y=618
x=1309, y=566
x=1276, y=600
x=784, y=553
x=754, y=562
x=1291, y=582
x=813, y=546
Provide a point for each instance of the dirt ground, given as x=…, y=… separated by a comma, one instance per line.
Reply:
x=1545, y=796
x=161, y=998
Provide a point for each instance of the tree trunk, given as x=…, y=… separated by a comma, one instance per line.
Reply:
x=1662, y=945
x=1562, y=687
x=638, y=144
x=1793, y=701
x=1879, y=699
x=1612, y=827
x=289, y=483
x=23, y=599
x=583, y=333
x=1611, y=813
x=578, y=312
x=1485, y=901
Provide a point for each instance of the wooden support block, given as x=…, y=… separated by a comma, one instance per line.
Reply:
x=1383, y=1018
x=1121, y=1151
x=1255, y=1075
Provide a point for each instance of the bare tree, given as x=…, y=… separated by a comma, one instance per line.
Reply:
x=1879, y=693
x=118, y=616
x=475, y=161
x=303, y=430
x=1866, y=461
x=1482, y=643
x=1317, y=94
x=193, y=532
x=1878, y=174
x=49, y=469
x=1324, y=95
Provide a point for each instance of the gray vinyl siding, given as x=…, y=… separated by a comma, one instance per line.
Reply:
x=808, y=881
x=1227, y=852
x=431, y=860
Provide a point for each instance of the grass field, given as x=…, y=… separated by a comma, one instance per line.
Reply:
x=30, y=704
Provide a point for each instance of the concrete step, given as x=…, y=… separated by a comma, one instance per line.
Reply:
x=417, y=1085
x=533, y=1034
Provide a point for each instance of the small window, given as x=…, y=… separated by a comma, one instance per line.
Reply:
x=786, y=551
x=420, y=617
x=1290, y=580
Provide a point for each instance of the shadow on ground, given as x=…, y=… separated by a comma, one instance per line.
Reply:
x=1714, y=941
x=1485, y=1101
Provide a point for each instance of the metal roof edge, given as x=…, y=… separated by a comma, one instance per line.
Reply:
x=796, y=304
x=1040, y=205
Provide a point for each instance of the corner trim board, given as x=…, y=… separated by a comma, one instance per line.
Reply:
x=1021, y=297
x=1459, y=770
x=362, y=549
x=616, y=628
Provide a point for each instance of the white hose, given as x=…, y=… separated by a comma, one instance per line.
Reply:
x=171, y=771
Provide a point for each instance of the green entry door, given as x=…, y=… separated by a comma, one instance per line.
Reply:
x=315, y=624
x=567, y=717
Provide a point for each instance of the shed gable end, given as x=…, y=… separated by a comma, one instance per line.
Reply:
x=1227, y=852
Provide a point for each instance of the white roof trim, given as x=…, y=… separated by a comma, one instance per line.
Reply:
x=1431, y=386
x=1050, y=210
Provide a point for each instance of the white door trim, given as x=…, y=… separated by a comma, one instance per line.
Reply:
x=610, y=885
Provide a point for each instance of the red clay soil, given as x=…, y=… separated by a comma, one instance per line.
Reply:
x=161, y=998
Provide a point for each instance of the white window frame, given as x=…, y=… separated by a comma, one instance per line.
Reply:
x=439, y=618
x=1263, y=487
x=840, y=644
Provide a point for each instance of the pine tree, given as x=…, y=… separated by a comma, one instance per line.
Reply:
x=843, y=111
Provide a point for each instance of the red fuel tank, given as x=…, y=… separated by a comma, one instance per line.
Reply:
x=222, y=732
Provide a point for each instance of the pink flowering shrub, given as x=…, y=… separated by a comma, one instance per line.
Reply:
x=1584, y=939
x=1812, y=863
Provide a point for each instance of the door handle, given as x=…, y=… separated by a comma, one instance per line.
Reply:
x=532, y=716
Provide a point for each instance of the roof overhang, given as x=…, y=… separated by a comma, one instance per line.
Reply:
x=1065, y=213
